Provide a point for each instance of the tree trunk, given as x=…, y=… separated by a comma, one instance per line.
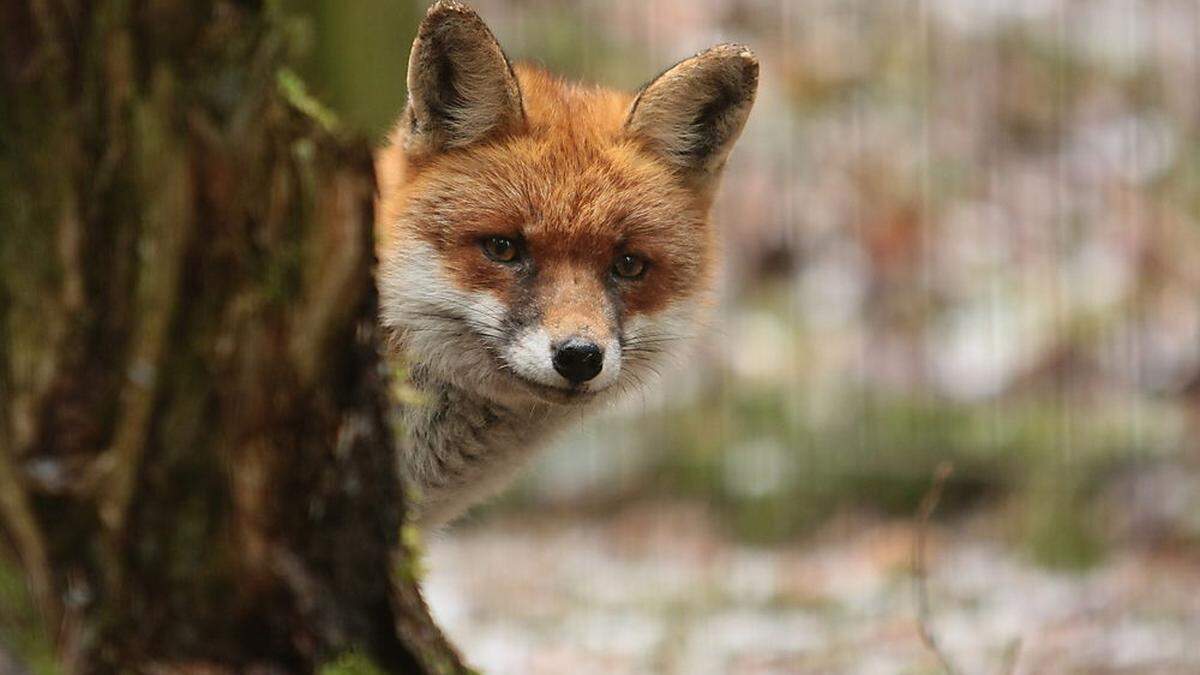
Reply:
x=196, y=469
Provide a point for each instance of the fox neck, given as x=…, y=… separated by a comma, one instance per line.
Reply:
x=461, y=448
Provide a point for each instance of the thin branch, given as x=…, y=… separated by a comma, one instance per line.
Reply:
x=920, y=571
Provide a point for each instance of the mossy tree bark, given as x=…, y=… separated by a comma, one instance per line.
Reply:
x=196, y=469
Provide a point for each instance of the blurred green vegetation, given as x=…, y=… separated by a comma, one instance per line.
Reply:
x=880, y=458
x=356, y=55
x=21, y=627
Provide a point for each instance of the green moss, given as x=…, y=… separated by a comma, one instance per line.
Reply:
x=295, y=92
x=21, y=629
x=402, y=389
x=412, y=567
x=351, y=663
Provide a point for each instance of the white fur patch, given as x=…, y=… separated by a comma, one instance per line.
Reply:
x=530, y=355
x=655, y=343
x=612, y=367
x=452, y=332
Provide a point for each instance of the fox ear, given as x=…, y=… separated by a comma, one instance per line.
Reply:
x=461, y=88
x=692, y=113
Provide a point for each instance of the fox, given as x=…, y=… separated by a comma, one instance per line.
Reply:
x=543, y=246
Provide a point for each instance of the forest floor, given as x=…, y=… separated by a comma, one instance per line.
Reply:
x=659, y=589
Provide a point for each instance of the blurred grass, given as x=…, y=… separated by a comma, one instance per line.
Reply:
x=881, y=457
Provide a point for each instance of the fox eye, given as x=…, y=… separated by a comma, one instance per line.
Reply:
x=500, y=249
x=629, y=266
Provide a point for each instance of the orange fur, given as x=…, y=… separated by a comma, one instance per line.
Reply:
x=603, y=198
x=573, y=184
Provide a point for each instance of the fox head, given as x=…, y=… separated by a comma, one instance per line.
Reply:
x=544, y=241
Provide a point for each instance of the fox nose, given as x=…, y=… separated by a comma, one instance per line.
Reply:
x=578, y=360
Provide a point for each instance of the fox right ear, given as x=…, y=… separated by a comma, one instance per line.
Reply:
x=692, y=114
x=461, y=87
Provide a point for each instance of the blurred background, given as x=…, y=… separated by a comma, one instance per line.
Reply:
x=958, y=232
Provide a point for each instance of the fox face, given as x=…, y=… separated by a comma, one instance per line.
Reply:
x=542, y=242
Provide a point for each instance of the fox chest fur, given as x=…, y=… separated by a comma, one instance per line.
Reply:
x=460, y=448
x=544, y=247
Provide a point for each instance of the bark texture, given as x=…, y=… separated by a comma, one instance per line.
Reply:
x=196, y=469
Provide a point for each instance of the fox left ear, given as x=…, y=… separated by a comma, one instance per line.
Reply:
x=461, y=88
x=692, y=113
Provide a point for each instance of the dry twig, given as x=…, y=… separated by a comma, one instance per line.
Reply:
x=921, y=573
x=920, y=569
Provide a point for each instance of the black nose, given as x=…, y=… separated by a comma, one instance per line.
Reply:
x=578, y=360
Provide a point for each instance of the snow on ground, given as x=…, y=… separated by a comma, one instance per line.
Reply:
x=658, y=589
